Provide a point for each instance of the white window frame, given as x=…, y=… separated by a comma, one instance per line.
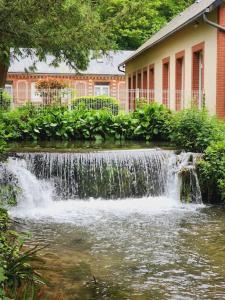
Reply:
x=9, y=89
x=101, y=90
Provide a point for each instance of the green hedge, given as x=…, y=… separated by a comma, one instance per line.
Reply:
x=96, y=103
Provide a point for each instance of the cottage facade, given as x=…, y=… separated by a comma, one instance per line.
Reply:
x=102, y=77
x=182, y=63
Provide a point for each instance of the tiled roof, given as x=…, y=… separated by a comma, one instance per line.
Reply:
x=107, y=65
x=187, y=16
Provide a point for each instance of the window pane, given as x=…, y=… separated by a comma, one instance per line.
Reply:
x=105, y=90
x=9, y=90
x=101, y=90
x=97, y=90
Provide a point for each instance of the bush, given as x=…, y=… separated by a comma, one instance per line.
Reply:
x=190, y=130
x=151, y=122
x=5, y=100
x=194, y=130
x=211, y=169
x=97, y=103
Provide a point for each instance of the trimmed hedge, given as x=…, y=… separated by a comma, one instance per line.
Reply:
x=96, y=103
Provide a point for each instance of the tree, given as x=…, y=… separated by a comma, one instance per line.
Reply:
x=133, y=22
x=65, y=29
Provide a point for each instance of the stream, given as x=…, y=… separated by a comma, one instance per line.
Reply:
x=114, y=225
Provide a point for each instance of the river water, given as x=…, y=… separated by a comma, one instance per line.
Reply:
x=140, y=246
x=166, y=253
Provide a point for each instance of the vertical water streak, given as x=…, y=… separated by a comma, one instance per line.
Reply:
x=106, y=175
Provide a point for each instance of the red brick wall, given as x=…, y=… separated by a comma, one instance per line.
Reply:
x=165, y=80
x=196, y=50
x=133, y=101
x=179, y=80
x=151, y=77
x=139, y=81
x=220, y=95
x=22, y=84
x=129, y=92
x=134, y=82
x=145, y=79
x=151, y=95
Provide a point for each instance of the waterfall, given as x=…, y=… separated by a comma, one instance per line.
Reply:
x=121, y=174
x=31, y=190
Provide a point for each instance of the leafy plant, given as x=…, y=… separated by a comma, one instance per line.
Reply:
x=194, y=130
x=5, y=100
x=18, y=278
x=211, y=170
x=151, y=122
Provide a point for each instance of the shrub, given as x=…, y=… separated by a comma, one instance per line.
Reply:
x=211, y=169
x=2, y=142
x=141, y=102
x=151, y=122
x=5, y=100
x=97, y=103
x=191, y=130
x=194, y=130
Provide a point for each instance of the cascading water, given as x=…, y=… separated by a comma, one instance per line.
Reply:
x=33, y=191
x=150, y=178
x=107, y=175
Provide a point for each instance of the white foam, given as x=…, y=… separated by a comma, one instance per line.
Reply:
x=90, y=211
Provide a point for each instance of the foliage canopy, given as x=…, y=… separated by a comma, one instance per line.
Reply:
x=65, y=29
x=133, y=22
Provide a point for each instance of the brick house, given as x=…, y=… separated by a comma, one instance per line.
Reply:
x=102, y=77
x=182, y=63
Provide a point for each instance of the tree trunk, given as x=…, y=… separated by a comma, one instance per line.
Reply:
x=3, y=74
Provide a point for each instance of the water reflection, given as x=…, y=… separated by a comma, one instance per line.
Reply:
x=82, y=146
